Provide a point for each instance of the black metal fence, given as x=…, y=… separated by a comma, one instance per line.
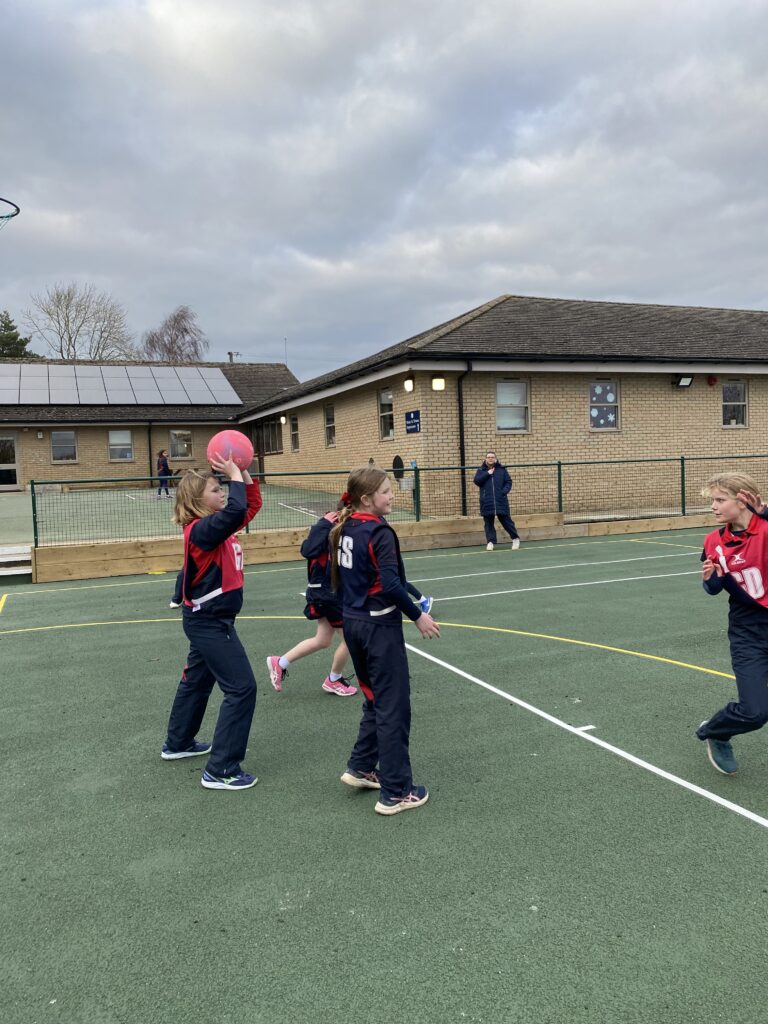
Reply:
x=100, y=511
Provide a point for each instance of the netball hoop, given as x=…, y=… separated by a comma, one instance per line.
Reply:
x=8, y=210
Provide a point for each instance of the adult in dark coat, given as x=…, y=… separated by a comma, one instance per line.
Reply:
x=495, y=484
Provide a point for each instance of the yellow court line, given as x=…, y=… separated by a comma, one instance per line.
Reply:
x=451, y=625
x=587, y=643
x=2, y=602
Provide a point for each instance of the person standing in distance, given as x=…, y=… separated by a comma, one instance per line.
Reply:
x=495, y=484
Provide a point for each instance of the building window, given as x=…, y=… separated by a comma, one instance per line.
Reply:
x=120, y=446
x=330, y=427
x=294, y=433
x=272, y=432
x=63, y=446
x=512, y=405
x=181, y=444
x=735, y=403
x=386, y=415
x=603, y=405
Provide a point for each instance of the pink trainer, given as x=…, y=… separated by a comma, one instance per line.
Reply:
x=276, y=674
x=340, y=687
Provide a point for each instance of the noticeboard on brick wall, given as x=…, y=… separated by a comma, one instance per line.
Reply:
x=413, y=422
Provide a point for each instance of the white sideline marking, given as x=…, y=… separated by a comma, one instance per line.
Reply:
x=566, y=586
x=298, y=508
x=583, y=734
x=545, y=568
x=584, y=728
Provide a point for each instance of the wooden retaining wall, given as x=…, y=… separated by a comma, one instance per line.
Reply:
x=135, y=558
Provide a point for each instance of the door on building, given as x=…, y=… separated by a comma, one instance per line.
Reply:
x=9, y=478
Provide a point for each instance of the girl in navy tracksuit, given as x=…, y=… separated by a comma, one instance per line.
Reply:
x=164, y=472
x=369, y=568
x=212, y=597
x=735, y=559
x=323, y=608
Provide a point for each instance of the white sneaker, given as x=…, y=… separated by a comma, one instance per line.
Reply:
x=515, y=543
x=489, y=546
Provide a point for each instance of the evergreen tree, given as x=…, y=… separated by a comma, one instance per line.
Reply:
x=12, y=345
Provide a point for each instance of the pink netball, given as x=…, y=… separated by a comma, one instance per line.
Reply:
x=231, y=444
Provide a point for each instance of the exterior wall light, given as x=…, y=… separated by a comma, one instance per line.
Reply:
x=438, y=383
x=408, y=383
x=282, y=420
x=683, y=381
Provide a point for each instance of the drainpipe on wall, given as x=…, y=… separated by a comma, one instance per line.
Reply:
x=462, y=451
x=149, y=450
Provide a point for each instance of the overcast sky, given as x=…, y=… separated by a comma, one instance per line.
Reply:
x=345, y=173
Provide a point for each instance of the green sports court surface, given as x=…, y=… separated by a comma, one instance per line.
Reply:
x=578, y=861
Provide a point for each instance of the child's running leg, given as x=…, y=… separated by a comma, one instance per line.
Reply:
x=278, y=667
x=335, y=681
x=749, y=656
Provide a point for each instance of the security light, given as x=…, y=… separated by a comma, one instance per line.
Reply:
x=683, y=381
x=408, y=383
x=438, y=383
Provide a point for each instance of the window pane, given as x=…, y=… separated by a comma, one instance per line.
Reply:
x=510, y=418
x=294, y=433
x=7, y=451
x=512, y=392
x=181, y=444
x=602, y=392
x=120, y=444
x=602, y=417
x=8, y=478
x=63, y=447
x=734, y=415
x=734, y=391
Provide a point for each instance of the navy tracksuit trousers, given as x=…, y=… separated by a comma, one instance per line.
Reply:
x=215, y=655
x=490, y=528
x=748, y=636
x=381, y=666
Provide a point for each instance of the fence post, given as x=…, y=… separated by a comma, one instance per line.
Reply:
x=417, y=493
x=682, y=483
x=34, y=511
x=559, y=486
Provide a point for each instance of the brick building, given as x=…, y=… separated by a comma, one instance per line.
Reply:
x=538, y=380
x=94, y=421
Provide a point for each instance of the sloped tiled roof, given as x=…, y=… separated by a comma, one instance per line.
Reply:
x=255, y=383
x=524, y=329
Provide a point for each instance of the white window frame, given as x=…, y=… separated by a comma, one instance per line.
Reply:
x=595, y=407
x=293, y=423
x=59, y=462
x=173, y=442
x=272, y=434
x=118, y=444
x=744, y=404
x=330, y=425
x=386, y=414
x=525, y=406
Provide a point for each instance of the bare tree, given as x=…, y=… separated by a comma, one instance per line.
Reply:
x=80, y=323
x=178, y=339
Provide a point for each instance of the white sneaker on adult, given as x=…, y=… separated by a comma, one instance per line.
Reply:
x=489, y=546
x=515, y=543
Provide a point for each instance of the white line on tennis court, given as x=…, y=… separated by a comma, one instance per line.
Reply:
x=585, y=735
x=545, y=568
x=566, y=586
x=298, y=508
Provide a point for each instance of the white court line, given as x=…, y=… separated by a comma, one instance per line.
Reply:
x=567, y=586
x=583, y=734
x=298, y=508
x=545, y=568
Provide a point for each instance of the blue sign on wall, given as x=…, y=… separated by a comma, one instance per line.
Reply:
x=413, y=422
